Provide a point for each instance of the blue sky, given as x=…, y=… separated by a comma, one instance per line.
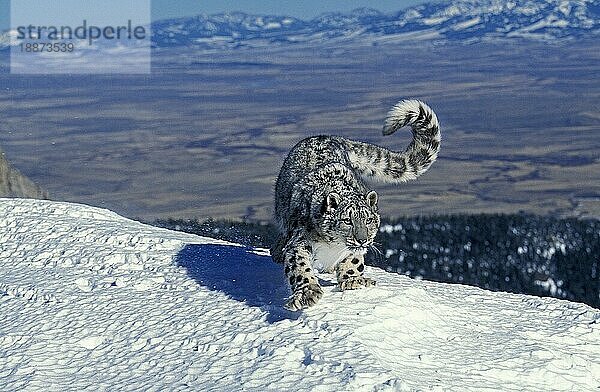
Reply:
x=161, y=9
x=304, y=9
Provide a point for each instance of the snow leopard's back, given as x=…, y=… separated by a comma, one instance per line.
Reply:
x=314, y=167
x=319, y=165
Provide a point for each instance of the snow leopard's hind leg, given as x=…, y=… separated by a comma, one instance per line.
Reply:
x=350, y=273
x=297, y=257
x=277, y=249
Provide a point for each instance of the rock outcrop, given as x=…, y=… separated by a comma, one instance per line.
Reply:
x=15, y=184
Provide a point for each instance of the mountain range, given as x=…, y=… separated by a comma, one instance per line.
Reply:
x=454, y=20
x=459, y=20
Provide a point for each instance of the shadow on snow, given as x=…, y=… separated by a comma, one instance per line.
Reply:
x=240, y=273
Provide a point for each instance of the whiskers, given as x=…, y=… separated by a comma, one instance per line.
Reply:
x=375, y=247
x=354, y=246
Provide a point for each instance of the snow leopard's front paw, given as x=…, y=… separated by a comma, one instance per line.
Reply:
x=304, y=297
x=356, y=282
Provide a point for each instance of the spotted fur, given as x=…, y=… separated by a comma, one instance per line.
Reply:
x=327, y=215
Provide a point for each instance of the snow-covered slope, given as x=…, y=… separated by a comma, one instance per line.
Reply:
x=93, y=301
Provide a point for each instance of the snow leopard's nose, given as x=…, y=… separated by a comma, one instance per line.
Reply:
x=361, y=235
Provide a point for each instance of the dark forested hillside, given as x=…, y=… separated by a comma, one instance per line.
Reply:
x=522, y=253
x=517, y=253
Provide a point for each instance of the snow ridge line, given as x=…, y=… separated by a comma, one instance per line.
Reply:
x=208, y=317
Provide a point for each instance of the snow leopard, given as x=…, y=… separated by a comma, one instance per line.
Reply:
x=327, y=216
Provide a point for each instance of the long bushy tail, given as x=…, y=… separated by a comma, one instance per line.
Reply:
x=380, y=164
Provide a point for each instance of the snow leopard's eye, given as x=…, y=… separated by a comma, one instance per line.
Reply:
x=347, y=221
x=369, y=220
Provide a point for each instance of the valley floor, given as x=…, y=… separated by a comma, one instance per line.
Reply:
x=206, y=133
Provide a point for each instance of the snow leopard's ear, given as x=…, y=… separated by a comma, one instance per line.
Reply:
x=372, y=199
x=332, y=201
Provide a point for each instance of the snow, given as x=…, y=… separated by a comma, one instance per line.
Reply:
x=550, y=21
x=421, y=35
x=92, y=301
x=272, y=25
x=466, y=24
x=435, y=20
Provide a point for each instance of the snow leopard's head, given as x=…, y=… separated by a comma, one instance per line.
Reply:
x=352, y=220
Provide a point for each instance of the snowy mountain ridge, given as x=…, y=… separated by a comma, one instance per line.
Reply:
x=458, y=20
x=453, y=20
x=93, y=301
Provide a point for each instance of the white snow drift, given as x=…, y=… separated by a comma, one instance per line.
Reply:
x=93, y=301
